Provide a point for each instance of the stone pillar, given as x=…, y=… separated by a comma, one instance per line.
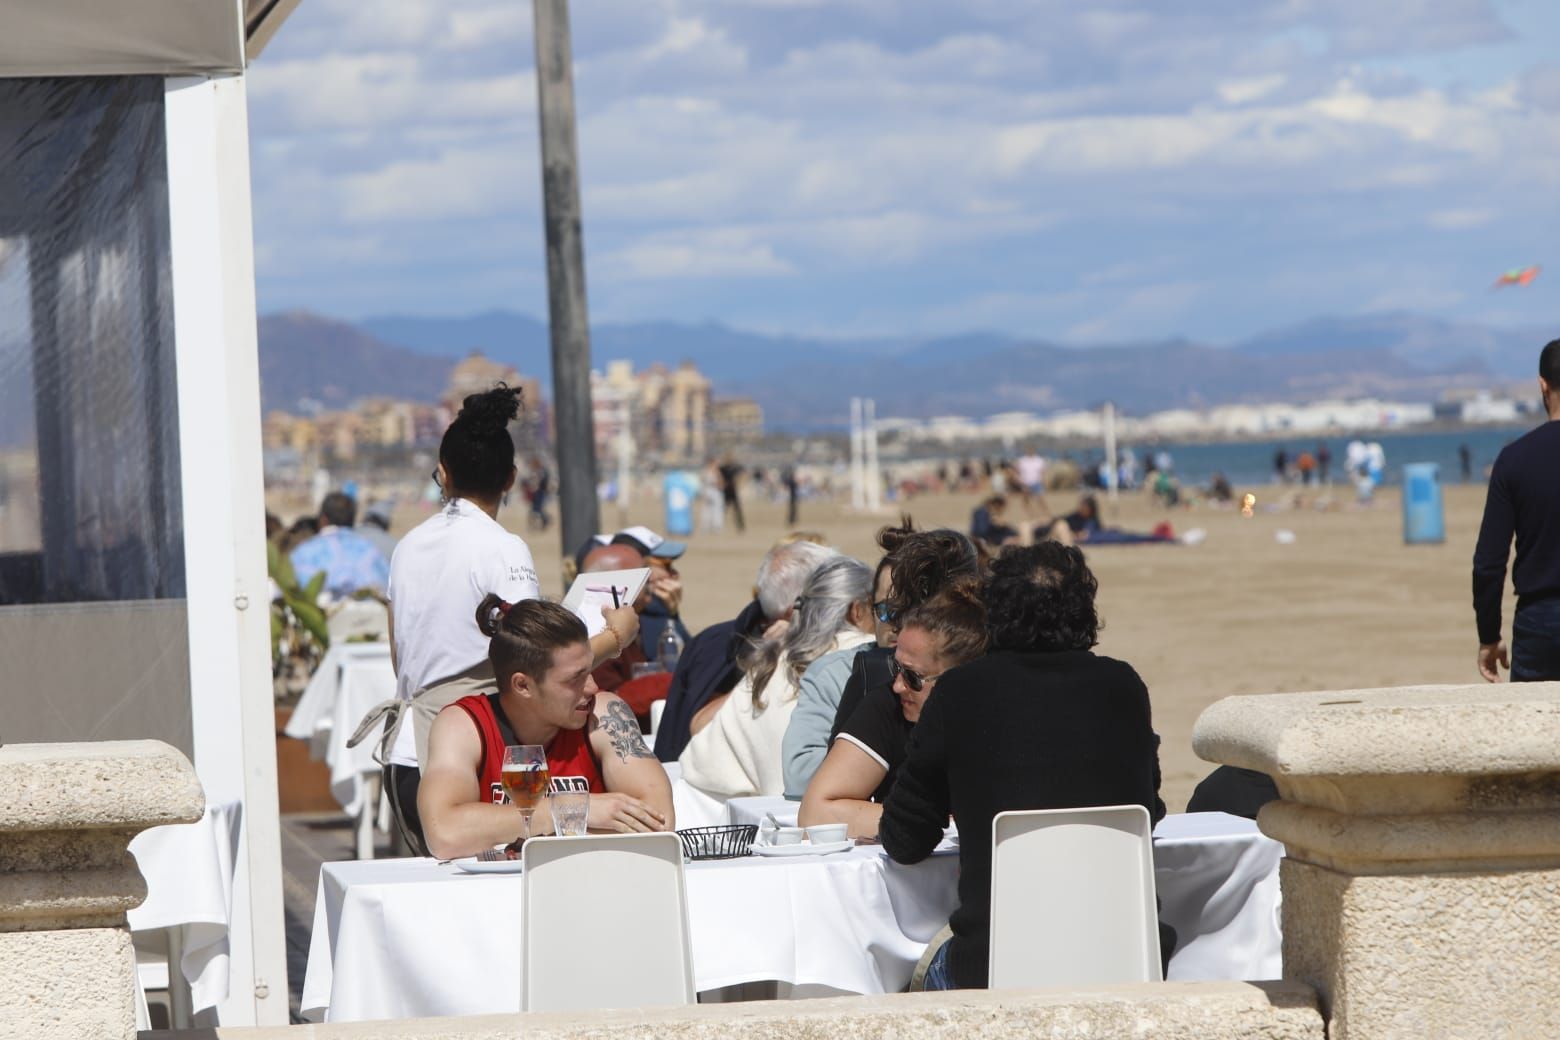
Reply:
x=67, y=814
x=1422, y=825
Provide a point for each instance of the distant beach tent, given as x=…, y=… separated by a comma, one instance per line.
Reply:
x=1517, y=276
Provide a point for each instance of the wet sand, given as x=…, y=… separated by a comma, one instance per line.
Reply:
x=1346, y=605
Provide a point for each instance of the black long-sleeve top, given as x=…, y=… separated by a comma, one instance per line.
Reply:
x=1017, y=731
x=1523, y=499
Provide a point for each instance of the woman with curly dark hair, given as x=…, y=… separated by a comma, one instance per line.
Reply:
x=1040, y=722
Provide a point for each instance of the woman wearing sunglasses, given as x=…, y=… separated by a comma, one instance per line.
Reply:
x=944, y=632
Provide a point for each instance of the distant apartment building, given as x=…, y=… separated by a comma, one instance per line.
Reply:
x=735, y=421
x=667, y=413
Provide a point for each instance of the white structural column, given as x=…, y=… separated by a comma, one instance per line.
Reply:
x=857, y=484
x=224, y=507
x=1112, y=474
x=874, y=480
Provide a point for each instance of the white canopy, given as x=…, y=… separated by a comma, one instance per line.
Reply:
x=127, y=37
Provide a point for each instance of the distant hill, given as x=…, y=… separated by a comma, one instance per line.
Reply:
x=304, y=356
x=721, y=352
x=1418, y=340
x=806, y=383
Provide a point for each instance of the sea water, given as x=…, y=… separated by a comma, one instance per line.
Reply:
x=1251, y=462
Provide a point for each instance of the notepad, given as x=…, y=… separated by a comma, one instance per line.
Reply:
x=591, y=592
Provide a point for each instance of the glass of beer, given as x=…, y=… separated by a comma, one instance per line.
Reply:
x=525, y=780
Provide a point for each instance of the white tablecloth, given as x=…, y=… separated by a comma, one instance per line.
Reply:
x=351, y=679
x=409, y=938
x=189, y=887
x=1217, y=878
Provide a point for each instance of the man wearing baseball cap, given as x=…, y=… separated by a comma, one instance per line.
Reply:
x=665, y=586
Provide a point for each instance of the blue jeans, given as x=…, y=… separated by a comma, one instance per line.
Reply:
x=1535, y=642
x=939, y=976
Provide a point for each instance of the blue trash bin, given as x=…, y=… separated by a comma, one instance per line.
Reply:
x=680, y=489
x=1424, y=520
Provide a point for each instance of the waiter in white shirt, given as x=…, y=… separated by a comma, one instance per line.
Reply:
x=439, y=573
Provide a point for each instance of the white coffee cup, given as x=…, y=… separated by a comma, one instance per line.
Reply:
x=787, y=836
x=827, y=833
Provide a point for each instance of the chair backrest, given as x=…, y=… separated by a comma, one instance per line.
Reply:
x=605, y=923
x=1072, y=898
x=657, y=709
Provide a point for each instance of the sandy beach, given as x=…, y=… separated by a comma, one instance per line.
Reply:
x=1345, y=605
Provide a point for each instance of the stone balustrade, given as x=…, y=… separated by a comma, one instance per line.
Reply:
x=67, y=814
x=1163, y=1011
x=1422, y=827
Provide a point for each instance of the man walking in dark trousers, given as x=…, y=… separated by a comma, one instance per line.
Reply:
x=730, y=473
x=1524, y=499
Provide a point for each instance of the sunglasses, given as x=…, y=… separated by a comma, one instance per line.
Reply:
x=913, y=679
x=884, y=613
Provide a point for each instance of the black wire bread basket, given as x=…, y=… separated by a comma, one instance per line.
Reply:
x=724, y=842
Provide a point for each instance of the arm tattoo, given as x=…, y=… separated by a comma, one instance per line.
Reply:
x=623, y=730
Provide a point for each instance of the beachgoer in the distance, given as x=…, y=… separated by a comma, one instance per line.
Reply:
x=1523, y=500
x=731, y=499
x=986, y=522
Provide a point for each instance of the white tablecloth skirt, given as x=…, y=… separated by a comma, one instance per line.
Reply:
x=189, y=886
x=352, y=679
x=409, y=938
x=1217, y=879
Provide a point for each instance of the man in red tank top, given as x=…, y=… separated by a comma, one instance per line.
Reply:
x=542, y=660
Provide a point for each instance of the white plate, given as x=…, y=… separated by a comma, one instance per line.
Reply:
x=473, y=865
x=802, y=848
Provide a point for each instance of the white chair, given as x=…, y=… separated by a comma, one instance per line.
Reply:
x=579, y=951
x=1072, y=898
x=657, y=709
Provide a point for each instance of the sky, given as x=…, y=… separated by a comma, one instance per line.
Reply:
x=1080, y=172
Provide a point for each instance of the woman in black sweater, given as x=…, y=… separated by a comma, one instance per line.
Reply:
x=1038, y=723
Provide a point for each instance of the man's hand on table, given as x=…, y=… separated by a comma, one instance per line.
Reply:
x=622, y=814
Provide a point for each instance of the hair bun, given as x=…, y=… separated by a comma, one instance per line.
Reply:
x=492, y=409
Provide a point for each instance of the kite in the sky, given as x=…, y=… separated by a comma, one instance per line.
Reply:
x=1517, y=276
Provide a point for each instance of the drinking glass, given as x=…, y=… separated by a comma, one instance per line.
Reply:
x=525, y=779
x=569, y=811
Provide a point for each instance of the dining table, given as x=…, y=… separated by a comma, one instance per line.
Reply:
x=410, y=938
x=351, y=679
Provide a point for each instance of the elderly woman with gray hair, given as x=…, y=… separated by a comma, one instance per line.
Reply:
x=738, y=754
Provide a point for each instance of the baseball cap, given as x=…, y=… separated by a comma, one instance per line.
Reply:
x=648, y=543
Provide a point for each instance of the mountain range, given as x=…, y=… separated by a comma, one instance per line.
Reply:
x=806, y=383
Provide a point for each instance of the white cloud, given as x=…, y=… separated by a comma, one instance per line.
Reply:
x=1241, y=91
x=1459, y=219
x=718, y=254
x=843, y=150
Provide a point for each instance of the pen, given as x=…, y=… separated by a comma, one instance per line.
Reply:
x=606, y=588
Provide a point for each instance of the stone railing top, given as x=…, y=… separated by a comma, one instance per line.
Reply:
x=124, y=784
x=1474, y=730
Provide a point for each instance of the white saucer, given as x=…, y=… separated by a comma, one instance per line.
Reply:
x=802, y=848
x=473, y=865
